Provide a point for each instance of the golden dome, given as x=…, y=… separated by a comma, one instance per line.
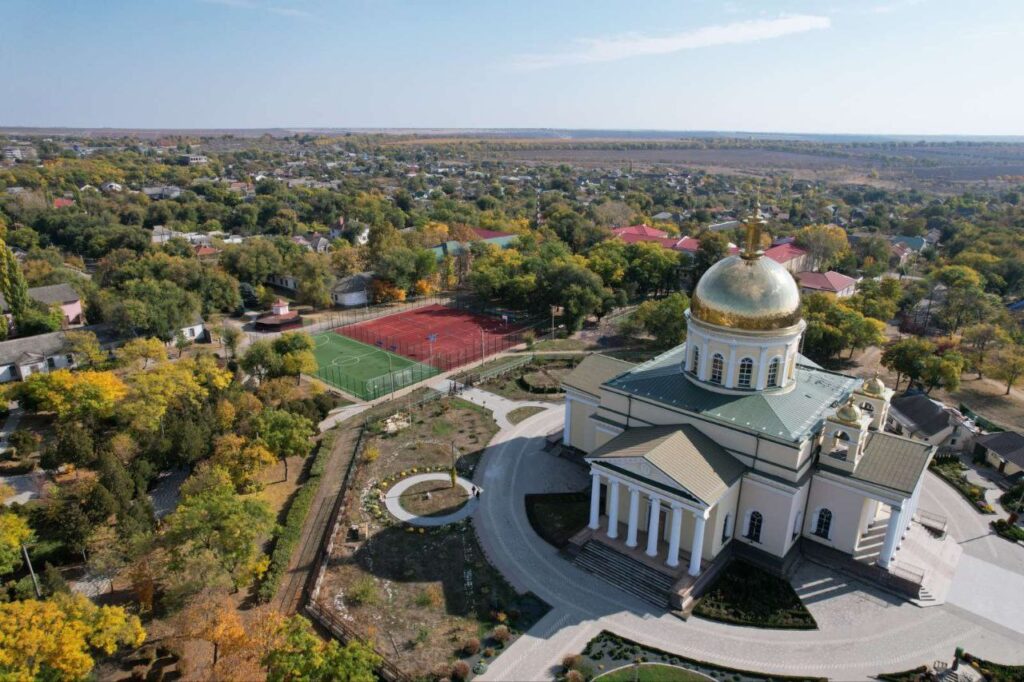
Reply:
x=849, y=413
x=873, y=386
x=747, y=291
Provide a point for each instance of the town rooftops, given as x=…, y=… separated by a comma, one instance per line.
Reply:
x=51, y=294
x=593, y=371
x=353, y=284
x=789, y=415
x=922, y=414
x=32, y=349
x=684, y=454
x=831, y=281
x=491, y=234
x=783, y=253
x=639, y=230
x=1007, y=444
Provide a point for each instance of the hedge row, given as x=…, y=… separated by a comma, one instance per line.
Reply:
x=287, y=535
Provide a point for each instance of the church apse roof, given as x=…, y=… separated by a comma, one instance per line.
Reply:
x=789, y=415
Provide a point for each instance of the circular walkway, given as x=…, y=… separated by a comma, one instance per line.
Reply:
x=393, y=501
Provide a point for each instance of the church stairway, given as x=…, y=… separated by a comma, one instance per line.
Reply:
x=625, y=573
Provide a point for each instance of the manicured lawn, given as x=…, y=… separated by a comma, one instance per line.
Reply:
x=362, y=370
x=653, y=672
x=443, y=498
x=520, y=413
x=556, y=517
x=746, y=595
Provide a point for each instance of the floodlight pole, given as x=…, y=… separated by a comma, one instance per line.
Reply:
x=391, y=374
x=35, y=580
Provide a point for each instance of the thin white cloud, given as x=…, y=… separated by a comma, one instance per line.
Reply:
x=593, y=50
x=231, y=3
x=289, y=12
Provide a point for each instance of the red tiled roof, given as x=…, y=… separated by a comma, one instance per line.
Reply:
x=60, y=202
x=203, y=250
x=783, y=253
x=825, y=281
x=639, y=230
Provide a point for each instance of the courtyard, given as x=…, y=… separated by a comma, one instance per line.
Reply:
x=879, y=631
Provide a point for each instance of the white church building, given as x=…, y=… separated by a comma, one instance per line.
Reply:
x=734, y=438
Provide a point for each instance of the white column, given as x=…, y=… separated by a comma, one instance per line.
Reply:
x=673, y=536
x=762, y=370
x=697, y=549
x=595, y=501
x=634, y=516
x=730, y=379
x=613, y=508
x=703, y=374
x=892, y=534
x=566, y=435
x=652, y=526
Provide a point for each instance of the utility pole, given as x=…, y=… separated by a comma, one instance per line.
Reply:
x=35, y=580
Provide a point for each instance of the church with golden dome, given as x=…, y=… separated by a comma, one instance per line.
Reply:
x=734, y=443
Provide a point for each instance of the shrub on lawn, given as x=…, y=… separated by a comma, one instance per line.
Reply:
x=574, y=676
x=747, y=595
x=501, y=634
x=471, y=647
x=571, y=661
x=460, y=671
x=363, y=592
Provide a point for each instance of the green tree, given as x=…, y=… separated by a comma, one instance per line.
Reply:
x=713, y=248
x=1008, y=366
x=301, y=655
x=665, y=320
x=14, y=532
x=285, y=434
x=979, y=340
x=86, y=348
x=825, y=244
x=942, y=370
x=213, y=524
x=907, y=357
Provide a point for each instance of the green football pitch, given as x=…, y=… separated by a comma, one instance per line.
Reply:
x=364, y=371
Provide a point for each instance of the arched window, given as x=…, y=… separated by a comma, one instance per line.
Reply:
x=754, y=526
x=823, y=525
x=717, y=363
x=746, y=372
x=773, y=372
x=695, y=367
x=727, y=528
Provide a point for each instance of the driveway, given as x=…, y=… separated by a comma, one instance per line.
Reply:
x=861, y=632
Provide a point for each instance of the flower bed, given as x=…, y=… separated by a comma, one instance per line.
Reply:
x=951, y=470
x=1010, y=531
x=746, y=595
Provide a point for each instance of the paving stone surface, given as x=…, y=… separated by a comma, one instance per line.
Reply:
x=862, y=632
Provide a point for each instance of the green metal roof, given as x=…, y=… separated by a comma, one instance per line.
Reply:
x=789, y=415
x=889, y=461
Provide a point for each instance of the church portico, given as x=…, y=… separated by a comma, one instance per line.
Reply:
x=734, y=436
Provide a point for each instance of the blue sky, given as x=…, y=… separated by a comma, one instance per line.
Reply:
x=836, y=66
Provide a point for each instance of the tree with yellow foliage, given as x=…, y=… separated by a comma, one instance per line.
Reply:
x=242, y=460
x=146, y=350
x=83, y=395
x=54, y=639
x=14, y=532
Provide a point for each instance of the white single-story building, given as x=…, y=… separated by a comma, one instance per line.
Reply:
x=352, y=290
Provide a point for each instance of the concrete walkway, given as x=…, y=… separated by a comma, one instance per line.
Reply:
x=500, y=406
x=393, y=501
x=862, y=632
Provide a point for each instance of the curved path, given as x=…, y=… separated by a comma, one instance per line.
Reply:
x=393, y=501
x=861, y=632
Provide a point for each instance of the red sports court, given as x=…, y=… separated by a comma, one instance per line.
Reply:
x=438, y=335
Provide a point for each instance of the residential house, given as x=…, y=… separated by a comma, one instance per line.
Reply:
x=158, y=193
x=63, y=202
x=289, y=282
x=352, y=290
x=833, y=283
x=20, y=358
x=789, y=256
x=900, y=252
x=919, y=417
x=111, y=187
x=915, y=244
x=1003, y=450
x=195, y=159
x=63, y=295
x=206, y=253
x=502, y=240
x=724, y=226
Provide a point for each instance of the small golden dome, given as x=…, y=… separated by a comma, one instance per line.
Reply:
x=873, y=386
x=747, y=291
x=849, y=413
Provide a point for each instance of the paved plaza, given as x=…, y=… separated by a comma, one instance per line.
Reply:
x=862, y=631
